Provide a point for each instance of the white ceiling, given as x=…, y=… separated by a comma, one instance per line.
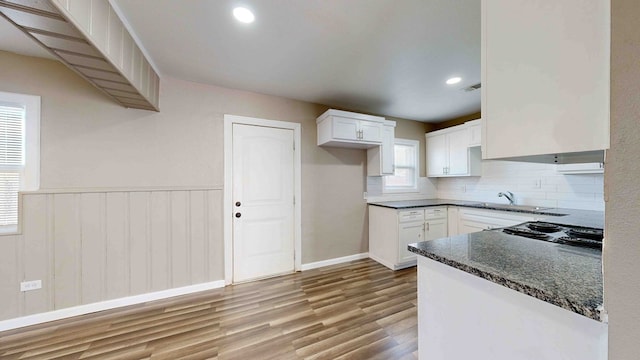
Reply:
x=387, y=57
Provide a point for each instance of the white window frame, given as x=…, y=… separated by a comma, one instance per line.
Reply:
x=396, y=189
x=30, y=172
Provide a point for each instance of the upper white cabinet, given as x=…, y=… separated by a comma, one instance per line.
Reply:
x=449, y=154
x=380, y=159
x=347, y=129
x=474, y=128
x=545, y=77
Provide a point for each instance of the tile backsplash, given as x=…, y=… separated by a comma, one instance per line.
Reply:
x=532, y=184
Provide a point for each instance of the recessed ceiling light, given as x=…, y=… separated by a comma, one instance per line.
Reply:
x=243, y=15
x=453, y=80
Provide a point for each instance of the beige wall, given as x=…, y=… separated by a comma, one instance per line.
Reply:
x=454, y=122
x=89, y=142
x=622, y=187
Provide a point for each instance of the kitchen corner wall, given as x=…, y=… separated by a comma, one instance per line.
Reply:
x=532, y=184
x=128, y=192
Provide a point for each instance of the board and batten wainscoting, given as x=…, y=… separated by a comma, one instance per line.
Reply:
x=92, y=246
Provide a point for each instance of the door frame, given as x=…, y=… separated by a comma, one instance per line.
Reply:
x=227, y=207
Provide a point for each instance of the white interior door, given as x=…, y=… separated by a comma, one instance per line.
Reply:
x=263, y=202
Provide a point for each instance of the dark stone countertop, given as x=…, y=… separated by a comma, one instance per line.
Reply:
x=562, y=275
x=586, y=218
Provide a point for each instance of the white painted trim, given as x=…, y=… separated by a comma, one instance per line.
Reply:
x=106, y=305
x=392, y=266
x=229, y=120
x=123, y=189
x=335, y=261
x=382, y=261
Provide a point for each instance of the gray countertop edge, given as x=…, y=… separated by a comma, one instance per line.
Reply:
x=588, y=311
x=575, y=217
x=501, y=208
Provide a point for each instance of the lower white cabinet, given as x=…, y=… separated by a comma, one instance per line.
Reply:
x=473, y=220
x=408, y=233
x=435, y=223
x=392, y=230
x=452, y=220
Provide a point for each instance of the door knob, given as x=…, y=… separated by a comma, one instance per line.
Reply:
x=238, y=215
x=238, y=203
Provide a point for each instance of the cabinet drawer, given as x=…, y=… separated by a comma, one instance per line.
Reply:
x=435, y=213
x=410, y=215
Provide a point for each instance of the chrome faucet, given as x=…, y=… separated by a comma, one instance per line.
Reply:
x=509, y=195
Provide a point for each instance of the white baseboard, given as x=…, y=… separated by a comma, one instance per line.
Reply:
x=340, y=260
x=105, y=305
x=381, y=261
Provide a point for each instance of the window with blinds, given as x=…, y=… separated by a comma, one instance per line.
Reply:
x=12, y=164
x=406, y=167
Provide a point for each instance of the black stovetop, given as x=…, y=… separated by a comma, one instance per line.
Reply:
x=557, y=233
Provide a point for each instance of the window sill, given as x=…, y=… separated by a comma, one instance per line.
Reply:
x=400, y=191
x=9, y=230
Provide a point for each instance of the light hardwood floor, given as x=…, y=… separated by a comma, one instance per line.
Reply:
x=358, y=310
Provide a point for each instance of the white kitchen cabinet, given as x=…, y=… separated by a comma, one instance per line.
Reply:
x=473, y=220
x=474, y=128
x=391, y=230
x=452, y=221
x=435, y=223
x=409, y=233
x=351, y=130
x=586, y=168
x=545, y=77
x=380, y=159
x=449, y=154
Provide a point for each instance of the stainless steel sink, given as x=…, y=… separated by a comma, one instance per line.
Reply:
x=509, y=207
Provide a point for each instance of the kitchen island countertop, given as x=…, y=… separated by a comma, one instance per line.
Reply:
x=562, y=275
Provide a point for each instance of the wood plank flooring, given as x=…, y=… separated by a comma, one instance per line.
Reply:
x=358, y=310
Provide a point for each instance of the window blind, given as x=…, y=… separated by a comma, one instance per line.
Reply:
x=11, y=161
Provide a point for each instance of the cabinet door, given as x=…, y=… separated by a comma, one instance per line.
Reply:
x=409, y=233
x=475, y=132
x=388, y=137
x=437, y=155
x=345, y=129
x=370, y=131
x=467, y=226
x=458, y=146
x=435, y=229
x=545, y=80
x=452, y=221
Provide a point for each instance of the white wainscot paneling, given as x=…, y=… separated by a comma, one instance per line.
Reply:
x=93, y=246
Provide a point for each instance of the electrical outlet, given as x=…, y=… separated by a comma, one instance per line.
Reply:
x=537, y=184
x=463, y=188
x=365, y=195
x=30, y=285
